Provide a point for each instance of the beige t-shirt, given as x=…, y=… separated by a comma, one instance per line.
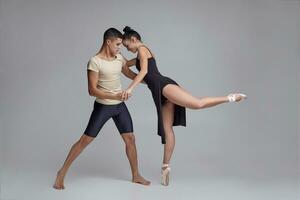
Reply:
x=109, y=78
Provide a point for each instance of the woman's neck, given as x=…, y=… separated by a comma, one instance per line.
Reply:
x=139, y=44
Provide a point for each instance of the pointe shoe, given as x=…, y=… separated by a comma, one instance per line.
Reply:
x=165, y=175
x=233, y=97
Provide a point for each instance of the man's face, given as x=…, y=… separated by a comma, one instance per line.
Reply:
x=114, y=45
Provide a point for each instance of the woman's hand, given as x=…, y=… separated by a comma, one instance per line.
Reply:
x=126, y=94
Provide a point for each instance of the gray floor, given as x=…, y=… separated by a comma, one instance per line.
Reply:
x=210, y=180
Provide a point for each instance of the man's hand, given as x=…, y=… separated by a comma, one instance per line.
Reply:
x=119, y=96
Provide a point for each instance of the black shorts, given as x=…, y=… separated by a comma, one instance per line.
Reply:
x=102, y=113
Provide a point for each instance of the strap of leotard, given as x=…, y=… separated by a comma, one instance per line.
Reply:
x=148, y=50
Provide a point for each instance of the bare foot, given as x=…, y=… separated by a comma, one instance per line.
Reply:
x=59, y=182
x=140, y=180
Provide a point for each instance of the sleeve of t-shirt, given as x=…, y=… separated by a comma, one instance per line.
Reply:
x=92, y=65
x=122, y=58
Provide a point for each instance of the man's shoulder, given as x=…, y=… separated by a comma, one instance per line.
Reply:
x=94, y=60
x=121, y=58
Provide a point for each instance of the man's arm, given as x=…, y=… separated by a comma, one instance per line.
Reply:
x=94, y=91
x=131, y=62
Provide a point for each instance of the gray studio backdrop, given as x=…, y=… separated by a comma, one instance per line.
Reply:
x=210, y=48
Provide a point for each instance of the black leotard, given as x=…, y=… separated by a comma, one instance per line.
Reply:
x=156, y=82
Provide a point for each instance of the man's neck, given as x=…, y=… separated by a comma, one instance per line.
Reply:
x=105, y=53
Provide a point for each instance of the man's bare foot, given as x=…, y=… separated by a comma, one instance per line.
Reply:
x=59, y=182
x=140, y=180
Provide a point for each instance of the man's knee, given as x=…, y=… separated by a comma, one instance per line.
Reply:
x=129, y=138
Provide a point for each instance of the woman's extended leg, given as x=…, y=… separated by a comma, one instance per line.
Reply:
x=179, y=96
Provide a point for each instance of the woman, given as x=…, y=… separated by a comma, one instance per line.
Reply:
x=169, y=98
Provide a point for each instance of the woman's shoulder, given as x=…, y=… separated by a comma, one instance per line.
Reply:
x=144, y=51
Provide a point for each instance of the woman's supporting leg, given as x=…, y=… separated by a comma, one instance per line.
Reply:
x=179, y=96
x=168, y=118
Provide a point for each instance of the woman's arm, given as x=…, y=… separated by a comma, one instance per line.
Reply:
x=142, y=52
x=128, y=72
x=94, y=91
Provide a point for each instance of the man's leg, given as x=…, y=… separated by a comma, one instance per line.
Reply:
x=124, y=124
x=100, y=114
x=131, y=153
x=73, y=154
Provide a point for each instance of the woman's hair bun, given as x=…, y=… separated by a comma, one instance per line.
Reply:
x=127, y=29
x=129, y=32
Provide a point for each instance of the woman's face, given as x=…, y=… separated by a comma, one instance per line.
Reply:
x=130, y=44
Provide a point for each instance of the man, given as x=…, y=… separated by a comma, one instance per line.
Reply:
x=104, y=70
